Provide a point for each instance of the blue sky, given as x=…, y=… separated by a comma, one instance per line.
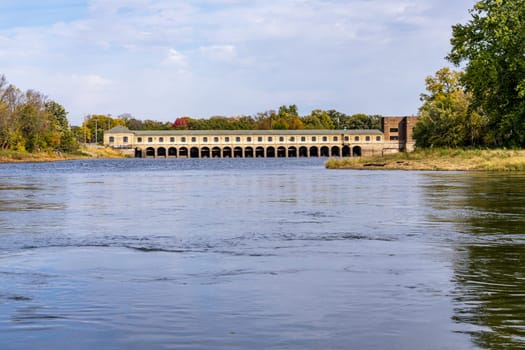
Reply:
x=161, y=59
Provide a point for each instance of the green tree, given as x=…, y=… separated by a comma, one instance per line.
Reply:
x=7, y=122
x=492, y=45
x=30, y=122
x=81, y=134
x=287, y=118
x=57, y=114
x=33, y=121
x=246, y=122
x=446, y=118
x=312, y=121
x=197, y=124
x=318, y=119
x=95, y=125
x=220, y=123
x=149, y=124
x=338, y=119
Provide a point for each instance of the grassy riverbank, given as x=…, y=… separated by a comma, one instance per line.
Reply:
x=438, y=159
x=7, y=156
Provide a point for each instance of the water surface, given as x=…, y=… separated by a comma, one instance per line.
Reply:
x=258, y=254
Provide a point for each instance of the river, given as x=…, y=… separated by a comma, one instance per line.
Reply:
x=258, y=254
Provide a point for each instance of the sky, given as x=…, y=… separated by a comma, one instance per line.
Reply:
x=162, y=59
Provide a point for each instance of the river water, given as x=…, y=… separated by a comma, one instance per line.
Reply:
x=258, y=254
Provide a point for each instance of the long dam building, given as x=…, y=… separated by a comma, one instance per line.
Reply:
x=395, y=136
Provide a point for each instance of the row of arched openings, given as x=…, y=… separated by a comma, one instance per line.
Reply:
x=250, y=152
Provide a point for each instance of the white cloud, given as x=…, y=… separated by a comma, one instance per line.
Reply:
x=92, y=82
x=176, y=58
x=220, y=53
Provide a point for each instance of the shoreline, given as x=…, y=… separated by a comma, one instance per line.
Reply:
x=84, y=152
x=437, y=160
x=419, y=160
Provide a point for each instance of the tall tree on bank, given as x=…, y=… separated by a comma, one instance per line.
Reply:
x=492, y=46
x=446, y=118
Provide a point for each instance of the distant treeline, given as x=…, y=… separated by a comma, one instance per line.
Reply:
x=30, y=122
x=286, y=118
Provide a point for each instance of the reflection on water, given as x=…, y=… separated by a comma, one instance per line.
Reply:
x=23, y=196
x=489, y=265
x=258, y=254
x=490, y=294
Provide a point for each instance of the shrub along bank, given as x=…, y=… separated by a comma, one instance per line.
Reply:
x=438, y=159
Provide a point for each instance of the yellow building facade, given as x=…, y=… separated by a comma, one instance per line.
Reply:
x=254, y=143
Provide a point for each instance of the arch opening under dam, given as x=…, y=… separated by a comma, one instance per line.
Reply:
x=248, y=152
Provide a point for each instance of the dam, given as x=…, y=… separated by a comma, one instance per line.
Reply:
x=395, y=136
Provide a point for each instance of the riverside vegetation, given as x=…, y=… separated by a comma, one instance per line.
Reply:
x=83, y=152
x=438, y=159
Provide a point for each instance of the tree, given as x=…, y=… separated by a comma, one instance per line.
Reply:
x=95, y=125
x=338, y=119
x=446, y=118
x=31, y=122
x=287, y=118
x=64, y=139
x=263, y=120
x=492, y=45
x=245, y=122
x=318, y=119
x=181, y=123
x=149, y=124
x=10, y=100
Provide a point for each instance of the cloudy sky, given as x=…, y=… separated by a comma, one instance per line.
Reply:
x=161, y=59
